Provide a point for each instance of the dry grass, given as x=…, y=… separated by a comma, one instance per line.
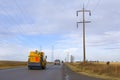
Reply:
x=50, y=63
x=100, y=69
x=11, y=64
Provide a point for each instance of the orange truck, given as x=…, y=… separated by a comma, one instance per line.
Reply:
x=37, y=59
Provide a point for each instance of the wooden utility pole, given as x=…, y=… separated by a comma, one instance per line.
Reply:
x=83, y=22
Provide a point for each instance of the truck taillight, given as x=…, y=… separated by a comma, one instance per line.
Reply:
x=37, y=59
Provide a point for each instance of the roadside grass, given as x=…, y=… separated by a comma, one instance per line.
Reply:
x=14, y=64
x=11, y=64
x=99, y=70
x=50, y=63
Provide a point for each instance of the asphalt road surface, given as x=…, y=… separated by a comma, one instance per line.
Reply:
x=52, y=72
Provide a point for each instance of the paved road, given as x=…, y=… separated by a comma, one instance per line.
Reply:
x=53, y=72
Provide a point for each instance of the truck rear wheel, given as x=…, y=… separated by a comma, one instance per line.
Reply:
x=29, y=68
x=43, y=67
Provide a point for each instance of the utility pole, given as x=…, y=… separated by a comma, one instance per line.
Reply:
x=71, y=58
x=40, y=48
x=52, y=56
x=67, y=56
x=83, y=22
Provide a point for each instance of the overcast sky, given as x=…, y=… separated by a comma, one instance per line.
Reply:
x=27, y=25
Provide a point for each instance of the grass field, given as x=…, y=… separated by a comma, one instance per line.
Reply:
x=107, y=72
x=11, y=64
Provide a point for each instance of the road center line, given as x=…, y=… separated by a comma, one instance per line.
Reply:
x=67, y=77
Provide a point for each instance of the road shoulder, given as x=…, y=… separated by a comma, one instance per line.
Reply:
x=71, y=75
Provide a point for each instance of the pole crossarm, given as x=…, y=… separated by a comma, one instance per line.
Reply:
x=83, y=22
x=78, y=23
x=83, y=11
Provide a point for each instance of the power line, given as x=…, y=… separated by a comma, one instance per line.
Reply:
x=96, y=6
x=2, y=9
x=87, y=3
x=21, y=10
x=14, y=21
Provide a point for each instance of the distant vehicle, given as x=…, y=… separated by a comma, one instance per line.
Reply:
x=57, y=62
x=37, y=59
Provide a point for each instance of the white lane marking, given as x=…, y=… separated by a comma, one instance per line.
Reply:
x=67, y=77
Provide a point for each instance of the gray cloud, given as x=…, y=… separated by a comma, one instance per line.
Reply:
x=59, y=17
